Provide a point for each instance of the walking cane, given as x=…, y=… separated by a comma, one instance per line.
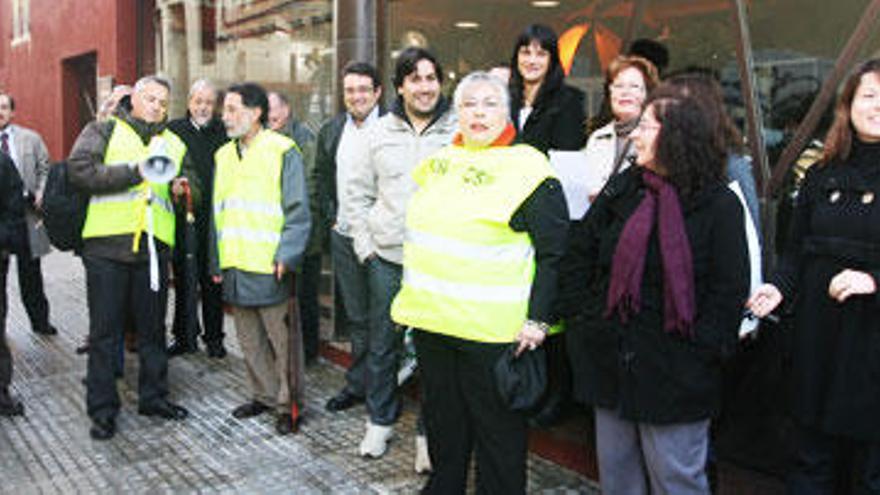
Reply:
x=294, y=351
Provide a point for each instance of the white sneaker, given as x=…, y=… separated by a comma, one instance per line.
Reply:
x=423, y=460
x=375, y=441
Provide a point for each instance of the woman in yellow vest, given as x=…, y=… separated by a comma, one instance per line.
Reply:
x=485, y=232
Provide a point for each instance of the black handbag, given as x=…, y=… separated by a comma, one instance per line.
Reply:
x=521, y=380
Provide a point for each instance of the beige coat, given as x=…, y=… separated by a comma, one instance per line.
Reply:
x=381, y=182
x=600, y=151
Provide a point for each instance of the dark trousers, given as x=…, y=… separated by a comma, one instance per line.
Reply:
x=384, y=342
x=829, y=464
x=307, y=285
x=464, y=413
x=352, y=286
x=30, y=284
x=5, y=355
x=113, y=289
x=211, y=296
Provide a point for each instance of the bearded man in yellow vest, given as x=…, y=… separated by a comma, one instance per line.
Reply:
x=127, y=236
x=259, y=234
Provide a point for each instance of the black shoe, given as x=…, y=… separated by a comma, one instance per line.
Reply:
x=46, y=330
x=102, y=429
x=164, y=410
x=216, y=351
x=179, y=348
x=285, y=424
x=249, y=410
x=342, y=401
x=10, y=407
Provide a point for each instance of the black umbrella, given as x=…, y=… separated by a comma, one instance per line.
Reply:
x=188, y=290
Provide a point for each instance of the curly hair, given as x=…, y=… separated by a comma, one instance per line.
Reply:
x=704, y=86
x=688, y=148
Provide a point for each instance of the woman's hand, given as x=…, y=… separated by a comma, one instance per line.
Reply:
x=849, y=283
x=530, y=336
x=764, y=300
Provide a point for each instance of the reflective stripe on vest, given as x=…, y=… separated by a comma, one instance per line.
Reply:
x=466, y=272
x=247, y=202
x=132, y=195
x=125, y=212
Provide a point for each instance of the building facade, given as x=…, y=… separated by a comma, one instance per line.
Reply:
x=57, y=58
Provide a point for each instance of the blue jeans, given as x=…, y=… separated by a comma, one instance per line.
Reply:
x=385, y=342
x=351, y=284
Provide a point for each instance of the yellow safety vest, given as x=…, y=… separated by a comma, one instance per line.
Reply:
x=247, y=202
x=466, y=273
x=125, y=212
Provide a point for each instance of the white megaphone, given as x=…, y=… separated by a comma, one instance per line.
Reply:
x=159, y=167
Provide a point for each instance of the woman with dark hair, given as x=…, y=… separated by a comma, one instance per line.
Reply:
x=655, y=278
x=628, y=81
x=703, y=86
x=547, y=113
x=830, y=269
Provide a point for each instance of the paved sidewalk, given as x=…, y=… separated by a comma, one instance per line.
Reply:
x=49, y=451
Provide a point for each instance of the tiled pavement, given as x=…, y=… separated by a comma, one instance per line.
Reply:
x=49, y=451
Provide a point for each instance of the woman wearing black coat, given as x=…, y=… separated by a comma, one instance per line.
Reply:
x=830, y=270
x=655, y=279
x=547, y=113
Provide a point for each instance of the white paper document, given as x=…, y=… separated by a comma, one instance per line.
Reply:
x=576, y=177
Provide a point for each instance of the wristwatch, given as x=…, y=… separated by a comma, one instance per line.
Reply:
x=539, y=325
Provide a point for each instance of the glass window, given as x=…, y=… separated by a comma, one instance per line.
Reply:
x=284, y=46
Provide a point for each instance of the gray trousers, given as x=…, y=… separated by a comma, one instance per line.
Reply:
x=264, y=337
x=668, y=459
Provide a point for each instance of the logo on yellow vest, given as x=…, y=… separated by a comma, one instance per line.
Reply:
x=477, y=177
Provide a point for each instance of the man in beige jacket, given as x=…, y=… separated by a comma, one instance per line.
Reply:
x=419, y=123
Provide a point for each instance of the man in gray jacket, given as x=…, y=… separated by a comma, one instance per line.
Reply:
x=419, y=124
x=28, y=151
x=124, y=258
x=259, y=234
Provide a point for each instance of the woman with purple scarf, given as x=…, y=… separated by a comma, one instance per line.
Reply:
x=655, y=280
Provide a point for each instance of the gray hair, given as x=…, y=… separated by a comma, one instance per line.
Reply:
x=200, y=84
x=152, y=78
x=481, y=77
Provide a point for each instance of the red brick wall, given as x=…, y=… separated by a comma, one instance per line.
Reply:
x=61, y=29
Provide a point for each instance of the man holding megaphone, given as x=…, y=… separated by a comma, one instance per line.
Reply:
x=130, y=165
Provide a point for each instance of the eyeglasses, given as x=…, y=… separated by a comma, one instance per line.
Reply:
x=633, y=87
x=643, y=126
x=487, y=104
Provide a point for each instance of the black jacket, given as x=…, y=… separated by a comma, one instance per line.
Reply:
x=13, y=231
x=201, y=144
x=557, y=121
x=835, y=346
x=647, y=374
